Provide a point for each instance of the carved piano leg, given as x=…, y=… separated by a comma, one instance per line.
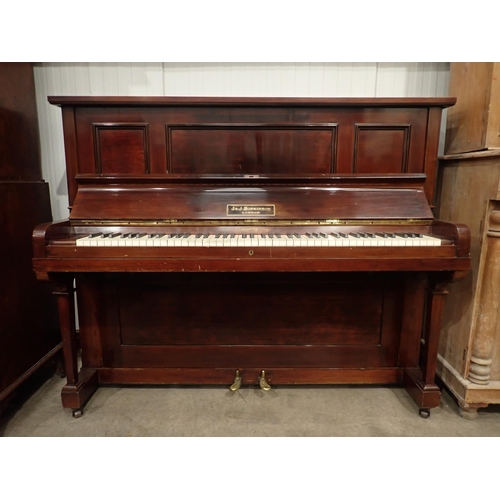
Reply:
x=420, y=382
x=79, y=385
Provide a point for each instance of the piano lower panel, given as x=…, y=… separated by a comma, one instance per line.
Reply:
x=239, y=320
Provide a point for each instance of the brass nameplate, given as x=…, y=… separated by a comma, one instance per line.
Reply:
x=268, y=210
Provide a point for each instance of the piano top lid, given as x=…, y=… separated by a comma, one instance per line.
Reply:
x=403, y=102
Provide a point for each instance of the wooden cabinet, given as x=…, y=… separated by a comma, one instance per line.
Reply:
x=29, y=334
x=469, y=191
x=473, y=124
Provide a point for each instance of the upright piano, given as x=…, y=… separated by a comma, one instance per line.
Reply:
x=251, y=241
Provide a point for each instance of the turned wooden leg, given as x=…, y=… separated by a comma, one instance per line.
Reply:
x=435, y=305
x=469, y=411
x=420, y=382
x=64, y=293
x=485, y=323
x=79, y=385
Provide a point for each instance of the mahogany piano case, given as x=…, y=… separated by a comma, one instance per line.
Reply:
x=260, y=241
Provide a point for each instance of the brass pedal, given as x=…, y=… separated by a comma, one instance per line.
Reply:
x=263, y=382
x=237, y=382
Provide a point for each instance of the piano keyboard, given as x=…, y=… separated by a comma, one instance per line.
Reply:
x=322, y=239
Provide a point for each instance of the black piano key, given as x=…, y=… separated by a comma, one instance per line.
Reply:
x=218, y=235
x=290, y=236
x=115, y=235
x=94, y=235
x=343, y=235
x=224, y=236
x=323, y=235
x=382, y=235
x=355, y=235
x=335, y=235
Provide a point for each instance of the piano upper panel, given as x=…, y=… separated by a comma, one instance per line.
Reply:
x=253, y=136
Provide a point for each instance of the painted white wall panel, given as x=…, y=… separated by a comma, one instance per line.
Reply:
x=216, y=79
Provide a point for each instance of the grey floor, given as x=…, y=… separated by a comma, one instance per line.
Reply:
x=215, y=411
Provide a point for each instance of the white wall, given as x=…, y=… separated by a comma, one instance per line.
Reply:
x=216, y=79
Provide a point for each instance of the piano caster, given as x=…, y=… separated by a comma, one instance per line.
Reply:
x=237, y=382
x=424, y=412
x=77, y=413
x=263, y=383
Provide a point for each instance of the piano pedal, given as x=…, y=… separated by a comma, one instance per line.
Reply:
x=237, y=382
x=263, y=383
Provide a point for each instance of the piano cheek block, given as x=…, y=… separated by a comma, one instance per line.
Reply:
x=189, y=270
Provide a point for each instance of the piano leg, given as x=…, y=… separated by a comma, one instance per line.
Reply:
x=420, y=382
x=79, y=385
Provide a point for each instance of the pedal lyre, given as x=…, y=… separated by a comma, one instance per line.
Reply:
x=263, y=382
x=237, y=382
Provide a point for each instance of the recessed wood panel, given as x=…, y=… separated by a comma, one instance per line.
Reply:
x=121, y=149
x=251, y=309
x=381, y=149
x=251, y=149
